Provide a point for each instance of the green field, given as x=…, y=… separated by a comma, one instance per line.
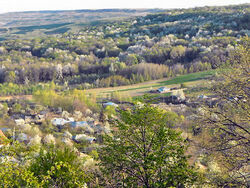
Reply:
x=178, y=80
x=189, y=78
x=138, y=98
x=144, y=88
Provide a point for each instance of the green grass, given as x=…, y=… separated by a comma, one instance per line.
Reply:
x=136, y=98
x=129, y=89
x=178, y=80
x=189, y=77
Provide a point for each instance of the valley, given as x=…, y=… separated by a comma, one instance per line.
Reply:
x=125, y=98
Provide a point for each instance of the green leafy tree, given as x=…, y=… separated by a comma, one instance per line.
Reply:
x=10, y=77
x=13, y=167
x=17, y=108
x=16, y=175
x=177, y=52
x=228, y=120
x=58, y=167
x=145, y=151
x=110, y=110
x=52, y=167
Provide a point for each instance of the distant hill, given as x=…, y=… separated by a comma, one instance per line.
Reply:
x=38, y=23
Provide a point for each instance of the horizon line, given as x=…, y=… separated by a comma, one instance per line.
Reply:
x=98, y=9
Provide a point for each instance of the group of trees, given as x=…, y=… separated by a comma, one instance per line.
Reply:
x=15, y=89
x=71, y=101
x=107, y=49
x=224, y=137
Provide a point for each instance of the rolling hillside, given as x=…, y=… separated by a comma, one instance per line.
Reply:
x=40, y=23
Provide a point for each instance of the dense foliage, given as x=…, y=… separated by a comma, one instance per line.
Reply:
x=50, y=167
x=145, y=151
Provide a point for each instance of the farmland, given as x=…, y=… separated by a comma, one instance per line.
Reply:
x=143, y=88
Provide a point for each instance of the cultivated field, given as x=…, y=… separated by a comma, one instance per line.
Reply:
x=190, y=80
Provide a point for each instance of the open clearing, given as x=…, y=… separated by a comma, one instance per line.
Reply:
x=143, y=88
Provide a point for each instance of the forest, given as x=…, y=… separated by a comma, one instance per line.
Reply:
x=130, y=51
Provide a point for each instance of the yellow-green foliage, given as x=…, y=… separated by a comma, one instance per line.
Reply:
x=70, y=101
x=14, y=175
x=17, y=107
x=3, y=109
x=226, y=125
x=115, y=80
x=110, y=110
x=94, y=154
x=88, y=100
x=53, y=167
x=121, y=96
x=52, y=99
x=74, y=178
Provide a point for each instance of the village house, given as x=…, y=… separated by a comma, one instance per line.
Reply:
x=162, y=90
x=110, y=104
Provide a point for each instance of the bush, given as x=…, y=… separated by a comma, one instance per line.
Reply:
x=15, y=175
x=58, y=168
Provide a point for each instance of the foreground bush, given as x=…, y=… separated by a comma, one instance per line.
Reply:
x=52, y=167
x=58, y=167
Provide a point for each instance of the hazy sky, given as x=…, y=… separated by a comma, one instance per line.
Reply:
x=28, y=5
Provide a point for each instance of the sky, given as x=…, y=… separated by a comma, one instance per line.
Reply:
x=34, y=5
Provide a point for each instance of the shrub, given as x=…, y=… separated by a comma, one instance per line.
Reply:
x=57, y=167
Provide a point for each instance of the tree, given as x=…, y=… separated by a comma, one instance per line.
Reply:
x=13, y=170
x=177, y=52
x=51, y=167
x=228, y=120
x=10, y=77
x=15, y=175
x=145, y=150
x=56, y=167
